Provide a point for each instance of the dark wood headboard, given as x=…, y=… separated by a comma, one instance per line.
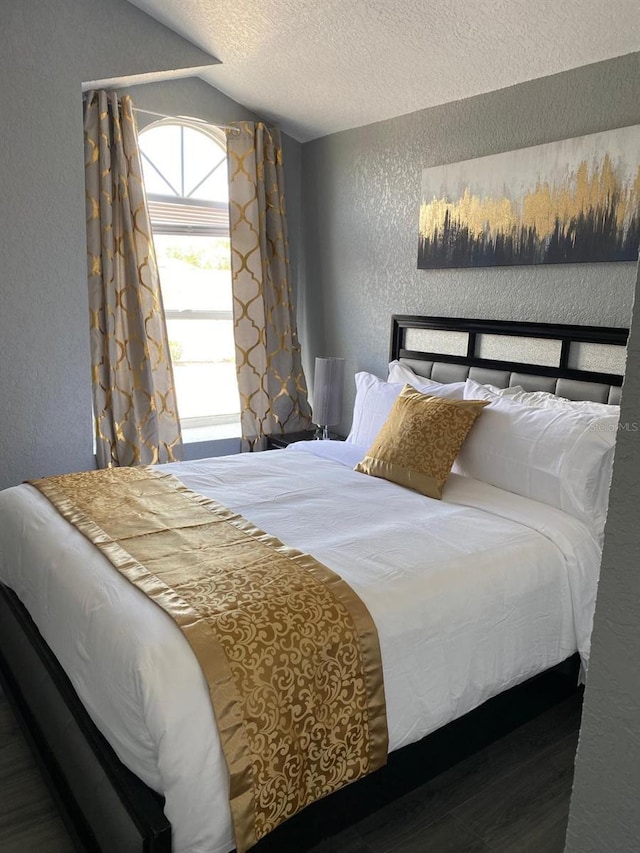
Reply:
x=549, y=356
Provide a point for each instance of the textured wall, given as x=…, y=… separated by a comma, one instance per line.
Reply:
x=361, y=191
x=604, y=807
x=46, y=51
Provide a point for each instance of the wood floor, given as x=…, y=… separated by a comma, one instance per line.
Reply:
x=512, y=797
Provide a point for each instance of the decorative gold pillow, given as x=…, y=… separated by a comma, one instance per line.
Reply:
x=420, y=440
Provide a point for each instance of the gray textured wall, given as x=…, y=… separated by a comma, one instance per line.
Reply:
x=46, y=51
x=604, y=808
x=361, y=192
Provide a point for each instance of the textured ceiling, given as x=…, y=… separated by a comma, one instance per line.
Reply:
x=328, y=65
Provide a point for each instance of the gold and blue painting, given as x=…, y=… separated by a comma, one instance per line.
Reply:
x=573, y=201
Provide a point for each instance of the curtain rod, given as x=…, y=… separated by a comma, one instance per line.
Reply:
x=188, y=118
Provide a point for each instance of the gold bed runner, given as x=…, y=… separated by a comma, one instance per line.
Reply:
x=290, y=653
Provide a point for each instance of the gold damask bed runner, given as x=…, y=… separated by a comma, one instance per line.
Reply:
x=289, y=651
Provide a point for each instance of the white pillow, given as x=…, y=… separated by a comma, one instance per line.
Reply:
x=546, y=400
x=399, y=372
x=511, y=391
x=557, y=456
x=375, y=398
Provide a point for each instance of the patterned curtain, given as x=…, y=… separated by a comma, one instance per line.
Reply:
x=134, y=399
x=273, y=390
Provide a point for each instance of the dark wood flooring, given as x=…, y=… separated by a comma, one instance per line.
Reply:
x=512, y=797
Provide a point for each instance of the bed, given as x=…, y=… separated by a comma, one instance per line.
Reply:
x=448, y=691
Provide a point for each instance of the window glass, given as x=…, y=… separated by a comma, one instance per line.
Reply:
x=185, y=173
x=215, y=186
x=195, y=272
x=161, y=160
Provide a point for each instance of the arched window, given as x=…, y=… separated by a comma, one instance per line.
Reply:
x=185, y=174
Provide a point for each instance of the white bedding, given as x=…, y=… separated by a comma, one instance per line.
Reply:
x=470, y=595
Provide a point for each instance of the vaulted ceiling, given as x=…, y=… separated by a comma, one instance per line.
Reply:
x=320, y=66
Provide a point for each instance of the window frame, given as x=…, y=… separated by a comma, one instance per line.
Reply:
x=161, y=206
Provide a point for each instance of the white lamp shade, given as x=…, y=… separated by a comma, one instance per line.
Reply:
x=328, y=385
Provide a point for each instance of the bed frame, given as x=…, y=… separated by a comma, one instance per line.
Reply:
x=106, y=808
x=577, y=362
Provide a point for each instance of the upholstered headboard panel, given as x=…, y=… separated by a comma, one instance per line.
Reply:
x=577, y=362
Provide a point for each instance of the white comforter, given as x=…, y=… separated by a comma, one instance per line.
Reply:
x=470, y=595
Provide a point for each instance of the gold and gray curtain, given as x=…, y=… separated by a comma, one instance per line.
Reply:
x=133, y=389
x=273, y=390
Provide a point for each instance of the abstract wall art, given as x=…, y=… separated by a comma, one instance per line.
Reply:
x=572, y=201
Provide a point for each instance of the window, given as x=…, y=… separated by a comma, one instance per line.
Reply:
x=185, y=174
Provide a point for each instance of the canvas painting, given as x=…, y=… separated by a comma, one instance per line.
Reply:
x=573, y=201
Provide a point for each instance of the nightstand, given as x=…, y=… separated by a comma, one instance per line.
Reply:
x=275, y=442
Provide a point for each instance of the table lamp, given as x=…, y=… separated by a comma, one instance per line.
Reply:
x=328, y=385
